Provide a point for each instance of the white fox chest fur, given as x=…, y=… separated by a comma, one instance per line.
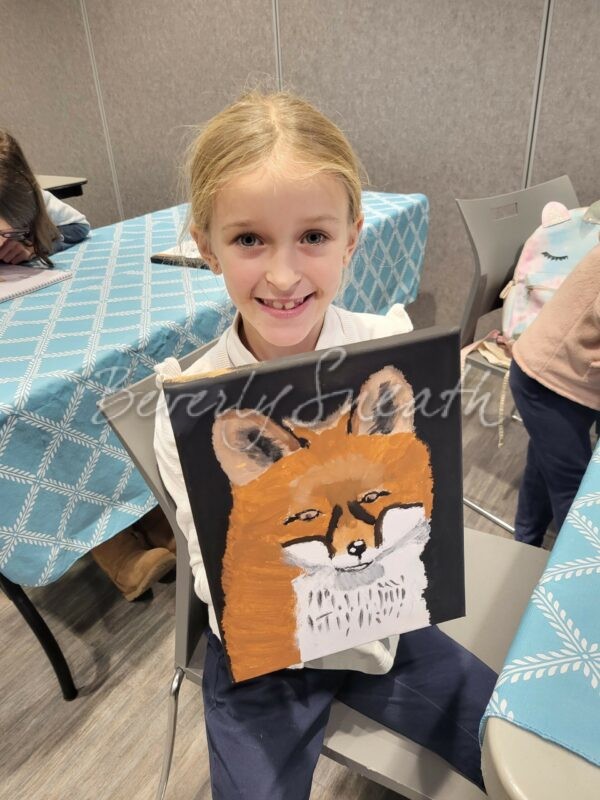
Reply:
x=334, y=608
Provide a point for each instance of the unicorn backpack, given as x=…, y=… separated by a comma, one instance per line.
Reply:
x=550, y=253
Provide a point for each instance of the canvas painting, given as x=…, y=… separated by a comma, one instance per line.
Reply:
x=326, y=493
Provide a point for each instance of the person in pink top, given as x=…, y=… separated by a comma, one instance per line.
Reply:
x=555, y=381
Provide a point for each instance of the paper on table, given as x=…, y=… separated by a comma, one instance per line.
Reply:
x=19, y=279
x=185, y=255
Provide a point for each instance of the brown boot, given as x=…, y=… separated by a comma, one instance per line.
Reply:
x=155, y=530
x=129, y=565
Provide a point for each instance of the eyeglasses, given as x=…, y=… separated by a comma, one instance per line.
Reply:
x=20, y=235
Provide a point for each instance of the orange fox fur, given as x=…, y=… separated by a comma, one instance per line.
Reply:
x=339, y=468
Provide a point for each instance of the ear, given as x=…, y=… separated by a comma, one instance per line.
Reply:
x=554, y=213
x=353, y=238
x=247, y=443
x=385, y=404
x=203, y=244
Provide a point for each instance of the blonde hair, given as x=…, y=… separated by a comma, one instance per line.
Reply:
x=21, y=201
x=274, y=128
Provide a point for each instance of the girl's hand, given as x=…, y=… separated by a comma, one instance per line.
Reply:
x=13, y=252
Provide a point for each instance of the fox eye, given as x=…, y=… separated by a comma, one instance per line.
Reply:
x=370, y=497
x=546, y=254
x=303, y=516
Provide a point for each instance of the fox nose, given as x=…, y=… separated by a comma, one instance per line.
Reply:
x=357, y=547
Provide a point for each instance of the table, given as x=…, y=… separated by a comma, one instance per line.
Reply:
x=66, y=484
x=62, y=186
x=542, y=726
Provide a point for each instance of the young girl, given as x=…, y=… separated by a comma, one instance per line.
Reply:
x=33, y=223
x=276, y=210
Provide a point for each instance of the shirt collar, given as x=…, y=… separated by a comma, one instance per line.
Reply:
x=239, y=355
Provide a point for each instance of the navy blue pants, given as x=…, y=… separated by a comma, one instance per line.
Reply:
x=265, y=735
x=558, y=453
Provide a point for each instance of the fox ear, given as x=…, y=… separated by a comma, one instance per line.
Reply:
x=247, y=443
x=385, y=404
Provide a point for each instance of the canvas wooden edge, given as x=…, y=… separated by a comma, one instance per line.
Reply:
x=414, y=335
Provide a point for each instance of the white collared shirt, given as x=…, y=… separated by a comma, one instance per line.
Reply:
x=339, y=327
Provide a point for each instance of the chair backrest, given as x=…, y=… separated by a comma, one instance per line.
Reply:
x=498, y=227
x=130, y=413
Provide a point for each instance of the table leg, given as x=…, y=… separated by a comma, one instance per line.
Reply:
x=51, y=647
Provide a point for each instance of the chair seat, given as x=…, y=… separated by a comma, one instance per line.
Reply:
x=499, y=575
x=393, y=761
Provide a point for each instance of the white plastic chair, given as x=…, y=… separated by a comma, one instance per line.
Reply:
x=498, y=227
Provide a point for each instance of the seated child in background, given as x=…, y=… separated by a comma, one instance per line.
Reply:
x=33, y=223
x=276, y=209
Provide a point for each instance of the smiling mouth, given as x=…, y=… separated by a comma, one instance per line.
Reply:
x=355, y=568
x=283, y=305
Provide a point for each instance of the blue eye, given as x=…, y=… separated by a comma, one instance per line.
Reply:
x=546, y=254
x=247, y=240
x=314, y=237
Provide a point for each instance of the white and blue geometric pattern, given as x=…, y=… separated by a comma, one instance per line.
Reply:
x=386, y=268
x=66, y=484
x=550, y=683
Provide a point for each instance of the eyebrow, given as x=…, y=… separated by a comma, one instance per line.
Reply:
x=308, y=221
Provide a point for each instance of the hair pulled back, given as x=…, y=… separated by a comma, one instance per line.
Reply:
x=278, y=129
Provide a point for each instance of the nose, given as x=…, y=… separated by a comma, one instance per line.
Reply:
x=357, y=547
x=282, y=273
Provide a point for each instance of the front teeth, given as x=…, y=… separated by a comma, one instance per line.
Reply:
x=281, y=306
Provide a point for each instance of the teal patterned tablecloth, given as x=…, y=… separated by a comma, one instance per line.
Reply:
x=66, y=484
x=550, y=683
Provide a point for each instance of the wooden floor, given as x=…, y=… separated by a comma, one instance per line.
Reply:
x=108, y=743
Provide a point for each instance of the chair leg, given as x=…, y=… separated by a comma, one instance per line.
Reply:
x=172, y=723
x=30, y=614
x=488, y=515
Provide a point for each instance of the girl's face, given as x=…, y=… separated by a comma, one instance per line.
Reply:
x=281, y=243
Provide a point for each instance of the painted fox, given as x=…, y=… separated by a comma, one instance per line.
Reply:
x=326, y=529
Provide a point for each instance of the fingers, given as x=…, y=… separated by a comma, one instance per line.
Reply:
x=4, y=246
x=9, y=251
x=13, y=252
